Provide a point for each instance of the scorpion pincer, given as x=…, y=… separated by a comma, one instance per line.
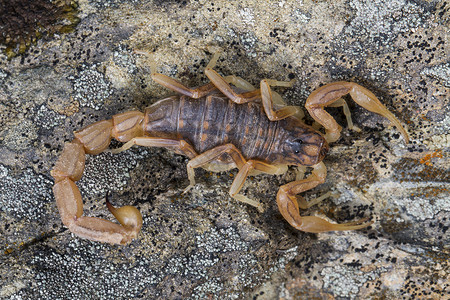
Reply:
x=217, y=127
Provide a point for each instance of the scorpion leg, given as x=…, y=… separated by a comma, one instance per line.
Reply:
x=201, y=91
x=209, y=156
x=327, y=94
x=237, y=81
x=342, y=103
x=180, y=146
x=69, y=169
x=271, y=100
x=242, y=175
x=289, y=207
x=178, y=87
x=267, y=98
x=245, y=167
x=222, y=84
x=240, y=83
x=175, y=85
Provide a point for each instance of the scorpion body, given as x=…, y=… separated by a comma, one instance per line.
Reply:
x=217, y=127
x=214, y=120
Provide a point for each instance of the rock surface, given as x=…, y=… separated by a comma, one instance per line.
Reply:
x=204, y=244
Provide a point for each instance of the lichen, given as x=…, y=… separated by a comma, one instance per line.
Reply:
x=20, y=136
x=91, y=87
x=24, y=195
x=345, y=281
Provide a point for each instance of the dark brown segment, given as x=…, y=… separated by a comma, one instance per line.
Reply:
x=214, y=120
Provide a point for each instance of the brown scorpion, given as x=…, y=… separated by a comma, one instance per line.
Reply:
x=218, y=127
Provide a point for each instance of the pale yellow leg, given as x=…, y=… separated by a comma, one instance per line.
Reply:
x=180, y=88
x=268, y=97
x=342, y=103
x=242, y=175
x=180, y=145
x=268, y=103
x=239, y=83
x=228, y=91
x=245, y=167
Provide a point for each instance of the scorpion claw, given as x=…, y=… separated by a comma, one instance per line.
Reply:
x=290, y=210
x=330, y=95
x=289, y=206
x=316, y=225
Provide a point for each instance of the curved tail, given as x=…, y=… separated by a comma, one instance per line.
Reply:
x=69, y=168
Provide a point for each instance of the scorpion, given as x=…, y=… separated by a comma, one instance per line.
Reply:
x=224, y=124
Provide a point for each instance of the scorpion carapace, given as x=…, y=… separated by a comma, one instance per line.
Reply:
x=217, y=128
x=301, y=145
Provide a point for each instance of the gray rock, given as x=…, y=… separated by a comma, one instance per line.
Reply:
x=204, y=244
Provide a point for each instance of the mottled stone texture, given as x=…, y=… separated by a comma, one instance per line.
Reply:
x=204, y=245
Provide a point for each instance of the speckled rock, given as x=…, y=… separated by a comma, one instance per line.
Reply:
x=203, y=244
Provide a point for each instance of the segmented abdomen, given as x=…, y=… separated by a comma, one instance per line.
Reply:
x=213, y=121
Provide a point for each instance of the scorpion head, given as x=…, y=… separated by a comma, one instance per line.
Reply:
x=304, y=146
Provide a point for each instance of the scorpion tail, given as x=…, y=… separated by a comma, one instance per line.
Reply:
x=69, y=168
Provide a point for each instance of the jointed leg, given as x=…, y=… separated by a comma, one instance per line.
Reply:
x=178, y=145
x=248, y=87
x=245, y=167
x=267, y=101
x=201, y=91
x=326, y=95
x=275, y=102
x=175, y=85
x=289, y=207
x=342, y=103
x=209, y=156
x=228, y=91
x=233, y=79
x=240, y=83
x=178, y=87
x=268, y=97
x=242, y=175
